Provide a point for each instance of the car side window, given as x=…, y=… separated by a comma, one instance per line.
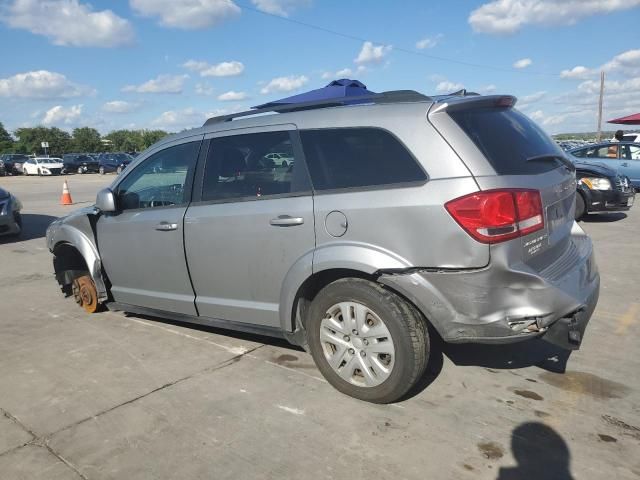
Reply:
x=606, y=151
x=630, y=152
x=357, y=157
x=252, y=166
x=161, y=180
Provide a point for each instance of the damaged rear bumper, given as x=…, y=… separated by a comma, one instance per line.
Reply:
x=509, y=302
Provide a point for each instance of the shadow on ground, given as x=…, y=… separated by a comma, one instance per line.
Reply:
x=529, y=353
x=33, y=226
x=604, y=217
x=249, y=337
x=541, y=453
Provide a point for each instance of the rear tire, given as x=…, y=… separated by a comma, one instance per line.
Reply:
x=581, y=207
x=119, y=170
x=379, y=351
x=80, y=170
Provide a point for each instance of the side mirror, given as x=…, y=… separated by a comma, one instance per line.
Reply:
x=106, y=200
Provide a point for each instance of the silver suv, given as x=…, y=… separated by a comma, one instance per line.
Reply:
x=398, y=218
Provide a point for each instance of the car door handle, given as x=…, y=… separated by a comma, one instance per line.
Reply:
x=166, y=226
x=286, y=221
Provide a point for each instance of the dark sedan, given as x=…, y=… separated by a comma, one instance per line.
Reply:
x=113, y=162
x=79, y=163
x=13, y=163
x=601, y=189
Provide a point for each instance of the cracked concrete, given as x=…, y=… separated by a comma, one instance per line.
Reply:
x=111, y=396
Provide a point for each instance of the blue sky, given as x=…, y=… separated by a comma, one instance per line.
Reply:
x=171, y=63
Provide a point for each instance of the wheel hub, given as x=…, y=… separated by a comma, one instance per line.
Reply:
x=357, y=344
x=85, y=293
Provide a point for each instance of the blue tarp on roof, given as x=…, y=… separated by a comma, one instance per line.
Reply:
x=338, y=89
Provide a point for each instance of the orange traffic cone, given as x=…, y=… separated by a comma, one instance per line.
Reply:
x=66, y=196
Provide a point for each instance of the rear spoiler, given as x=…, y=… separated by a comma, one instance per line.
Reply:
x=456, y=104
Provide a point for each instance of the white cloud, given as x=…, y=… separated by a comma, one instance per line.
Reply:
x=187, y=14
x=448, y=87
x=60, y=115
x=69, y=23
x=119, y=106
x=344, y=73
x=195, y=65
x=232, y=96
x=537, y=115
x=280, y=7
x=611, y=87
x=284, y=84
x=522, y=63
x=204, y=89
x=161, y=84
x=371, y=53
x=429, y=42
x=223, y=69
x=627, y=63
x=179, y=119
x=526, y=100
x=509, y=16
x=41, y=84
x=577, y=72
x=487, y=89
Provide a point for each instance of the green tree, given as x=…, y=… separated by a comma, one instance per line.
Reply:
x=124, y=140
x=149, y=137
x=6, y=142
x=30, y=139
x=86, y=139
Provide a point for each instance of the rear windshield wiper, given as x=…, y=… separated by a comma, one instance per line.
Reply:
x=549, y=156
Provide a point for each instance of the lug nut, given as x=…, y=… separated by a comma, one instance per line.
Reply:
x=346, y=338
x=365, y=341
x=354, y=331
x=352, y=351
x=363, y=353
x=369, y=322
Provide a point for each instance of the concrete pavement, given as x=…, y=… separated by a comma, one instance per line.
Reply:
x=128, y=397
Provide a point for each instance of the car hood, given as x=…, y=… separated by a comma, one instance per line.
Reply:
x=51, y=165
x=595, y=167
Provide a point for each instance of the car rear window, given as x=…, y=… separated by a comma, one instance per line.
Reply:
x=507, y=138
x=341, y=158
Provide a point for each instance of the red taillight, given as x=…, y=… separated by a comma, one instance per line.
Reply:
x=494, y=216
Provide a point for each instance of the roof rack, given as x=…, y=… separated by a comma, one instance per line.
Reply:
x=394, y=96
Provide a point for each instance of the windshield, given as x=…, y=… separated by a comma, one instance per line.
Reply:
x=120, y=157
x=512, y=142
x=49, y=160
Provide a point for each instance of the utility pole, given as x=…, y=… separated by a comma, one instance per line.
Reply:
x=600, y=105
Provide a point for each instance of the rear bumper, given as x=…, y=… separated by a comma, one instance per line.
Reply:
x=505, y=303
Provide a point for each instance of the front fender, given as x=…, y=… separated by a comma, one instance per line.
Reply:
x=356, y=256
x=76, y=230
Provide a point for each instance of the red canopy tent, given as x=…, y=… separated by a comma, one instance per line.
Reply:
x=630, y=120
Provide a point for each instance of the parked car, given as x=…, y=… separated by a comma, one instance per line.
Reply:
x=397, y=215
x=79, y=163
x=2, y=169
x=601, y=189
x=280, y=159
x=623, y=157
x=13, y=163
x=43, y=166
x=113, y=162
x=10, y=218
x=629, y=137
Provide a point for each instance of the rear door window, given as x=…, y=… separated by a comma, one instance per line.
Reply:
x=340, y=158
x=253, y=166
x=508, y=138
